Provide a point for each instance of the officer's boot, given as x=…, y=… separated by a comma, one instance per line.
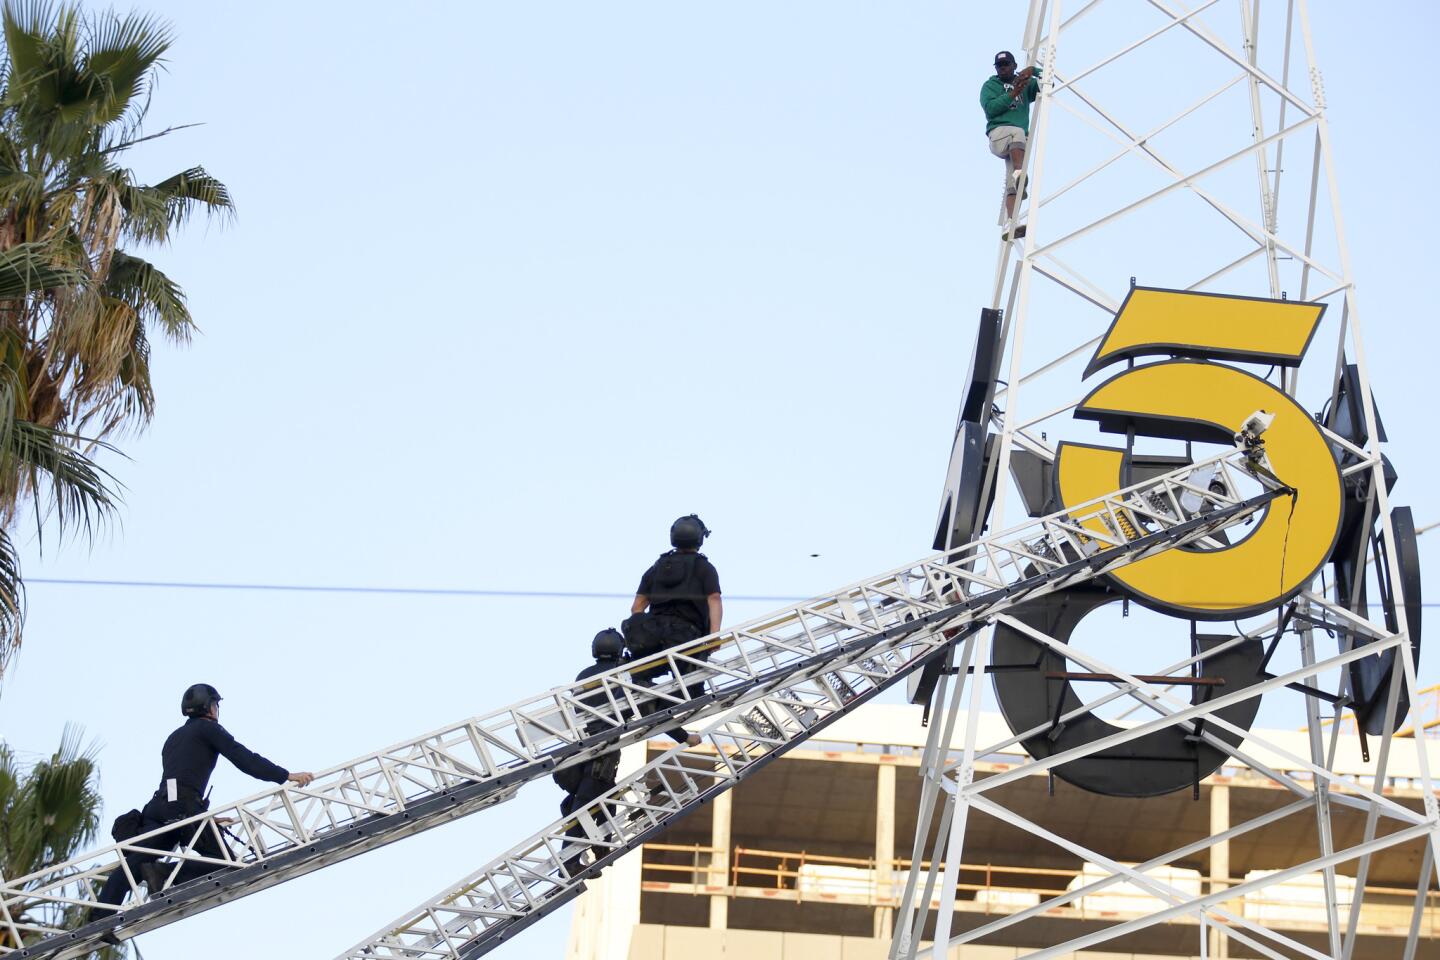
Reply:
x=154, y=875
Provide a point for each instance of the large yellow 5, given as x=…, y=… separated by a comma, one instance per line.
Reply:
x=1190, y=400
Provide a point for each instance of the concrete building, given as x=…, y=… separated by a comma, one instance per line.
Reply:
x=808, y=859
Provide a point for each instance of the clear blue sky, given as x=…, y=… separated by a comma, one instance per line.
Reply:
x=514, y=285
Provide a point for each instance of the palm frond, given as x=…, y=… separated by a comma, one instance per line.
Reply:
x=26, y=24
x=28, y=268
x=67, y=807
x=55, y=807
x=147, y=214
x=68, y=486
x=20, y=190
x=9, y=793
x=49, y=811
x=122, y=54
x=157, y=300
x=44, y=84
x=14, y=857
x=83, y=72
x=12, y=616
x=190, y=189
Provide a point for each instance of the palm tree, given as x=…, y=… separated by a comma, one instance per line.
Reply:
x=48, y=812
x=78, y=306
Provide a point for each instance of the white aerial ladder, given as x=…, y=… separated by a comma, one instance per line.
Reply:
x=963, y=589
x=769, y=684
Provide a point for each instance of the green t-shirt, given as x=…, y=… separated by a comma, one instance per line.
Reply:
x=1003, y=108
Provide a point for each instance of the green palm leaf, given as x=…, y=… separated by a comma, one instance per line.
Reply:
x=69, y=486
x=49, y=811
x=12, y=610
x=122, y=53
x=155, y=299
x=193, y=188
x=25, y=40
x=27, y=268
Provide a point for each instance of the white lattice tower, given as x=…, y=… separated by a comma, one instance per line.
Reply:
x=1184, y=144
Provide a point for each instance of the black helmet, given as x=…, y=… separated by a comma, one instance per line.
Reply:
x=609, y=644
x=198, y=699
x=688, y=533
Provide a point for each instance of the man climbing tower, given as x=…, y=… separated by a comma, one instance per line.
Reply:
x=1006, y=99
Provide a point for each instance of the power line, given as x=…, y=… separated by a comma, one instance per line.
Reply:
x=397, y=591
x=402, y=591
x=430, y=591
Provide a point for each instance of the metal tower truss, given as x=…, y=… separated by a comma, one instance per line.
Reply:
x=1184, y=145
x=930, y=605
x=290, y=831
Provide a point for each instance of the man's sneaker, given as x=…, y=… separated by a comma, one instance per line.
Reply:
x=1015, y=185
x=573, y=858
x=1019, y=233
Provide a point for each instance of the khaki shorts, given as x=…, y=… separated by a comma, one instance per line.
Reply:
x=1002, y=141
x=1005, y=139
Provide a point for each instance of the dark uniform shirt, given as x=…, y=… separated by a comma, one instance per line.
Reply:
x=190, y=754
x=687, y=600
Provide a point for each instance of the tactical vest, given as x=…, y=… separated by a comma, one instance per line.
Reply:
x=676, y=590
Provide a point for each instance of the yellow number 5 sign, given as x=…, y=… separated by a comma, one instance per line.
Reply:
x=1197, y=400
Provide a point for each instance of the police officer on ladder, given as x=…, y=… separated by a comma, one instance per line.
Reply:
x=682, y=593
x=586, y=781
x=188, y=759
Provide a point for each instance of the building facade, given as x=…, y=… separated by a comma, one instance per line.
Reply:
x=808, y=859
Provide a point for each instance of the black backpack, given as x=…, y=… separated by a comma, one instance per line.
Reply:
x=569, y=778
x=128, y=824
x=647, y=633
x=602, y=768
x=606, y=766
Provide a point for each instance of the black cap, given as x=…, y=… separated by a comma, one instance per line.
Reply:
x=1004, y=56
